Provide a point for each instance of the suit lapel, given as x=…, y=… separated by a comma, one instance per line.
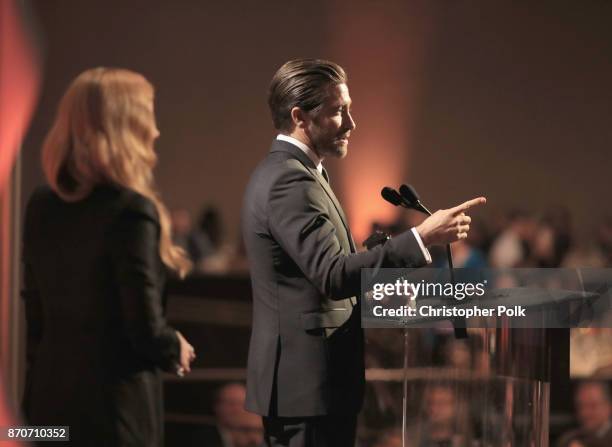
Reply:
x=309, y=165
x=330, y=193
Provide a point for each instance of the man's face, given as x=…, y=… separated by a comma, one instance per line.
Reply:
x=329, y=128
x=592, y=407
x=440, y=406
x=246, y=430
x=230, y=403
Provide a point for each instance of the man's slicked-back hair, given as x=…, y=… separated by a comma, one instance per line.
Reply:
x=301, y=83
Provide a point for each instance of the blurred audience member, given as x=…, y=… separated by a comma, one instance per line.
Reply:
x=233, y=426
x=550, y=241
x=239, y=263
x=591, y=350
x=542, y=247
x=585, y=255
x=205, y=240
x=236, y=427
x=510, y=249
x=457, y=354
x=466, y=256
x=594, y=253
x=206, y=246
x=391, y=438
x=247, y=431
x=480, y=237
x=181, y=228
x=560, y=219
x=604, y=239
x=445, y=423
x=465, y=354
x=593, y=411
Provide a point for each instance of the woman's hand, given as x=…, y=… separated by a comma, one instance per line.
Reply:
x=186, y=357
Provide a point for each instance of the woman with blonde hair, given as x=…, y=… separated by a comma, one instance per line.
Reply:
x=97, y=245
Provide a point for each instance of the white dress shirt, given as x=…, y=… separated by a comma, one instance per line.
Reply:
x=318, y=163
x=311, y=154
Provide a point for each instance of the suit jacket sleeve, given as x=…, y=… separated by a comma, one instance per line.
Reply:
x=299, y=221
x=137, y=268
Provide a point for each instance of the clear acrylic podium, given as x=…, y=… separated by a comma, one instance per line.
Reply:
x=492, y=389
x=495, y=388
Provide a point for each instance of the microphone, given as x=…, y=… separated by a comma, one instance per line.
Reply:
x=393, y=197
x=410, y=196
x=409, y=193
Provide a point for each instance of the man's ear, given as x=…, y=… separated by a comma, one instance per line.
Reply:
x=298, y=117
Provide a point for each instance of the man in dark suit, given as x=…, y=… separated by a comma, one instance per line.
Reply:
x=305, y=368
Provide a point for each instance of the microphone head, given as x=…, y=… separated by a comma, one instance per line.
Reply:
x=391, y=196
x=409, y=193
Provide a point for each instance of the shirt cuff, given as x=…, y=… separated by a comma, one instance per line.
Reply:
x=424, y=250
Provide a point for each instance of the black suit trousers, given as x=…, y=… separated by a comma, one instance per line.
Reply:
x=336, y=430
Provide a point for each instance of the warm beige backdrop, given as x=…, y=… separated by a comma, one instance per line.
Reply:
x=510, y=100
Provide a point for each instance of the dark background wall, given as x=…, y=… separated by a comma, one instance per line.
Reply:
x=461, y=98
x=518, y=97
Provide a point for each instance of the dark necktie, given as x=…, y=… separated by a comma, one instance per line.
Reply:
x=352, y=242
x=325, y=175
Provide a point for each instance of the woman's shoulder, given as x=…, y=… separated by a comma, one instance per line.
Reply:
x=41, y=198
x=42, y=193
x=133, y=212
x=134, y=204
x=103, y=198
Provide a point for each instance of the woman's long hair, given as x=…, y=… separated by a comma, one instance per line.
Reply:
x=104, y=134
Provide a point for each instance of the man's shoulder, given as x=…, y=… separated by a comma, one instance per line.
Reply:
x=278, y=175
x=278, y=167
x=281, y=160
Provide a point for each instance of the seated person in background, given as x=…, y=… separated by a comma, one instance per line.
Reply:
x=245, y=430
x=391, y=438
x=235, y=426
x=510, y=248
x=181, y=228
x=206, y=243
x=444, y=424
x=593, y=411
x=464, y=256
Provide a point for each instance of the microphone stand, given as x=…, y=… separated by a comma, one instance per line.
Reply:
x=458, y=323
